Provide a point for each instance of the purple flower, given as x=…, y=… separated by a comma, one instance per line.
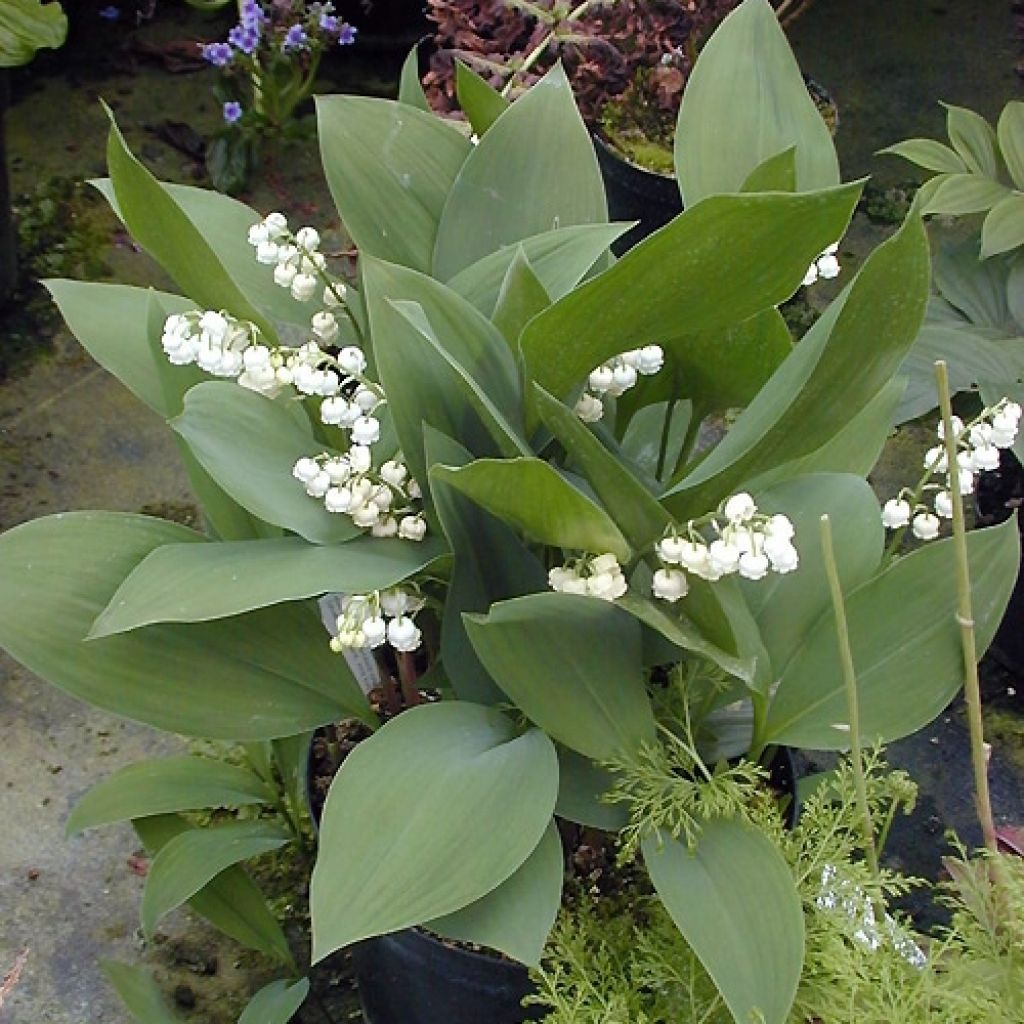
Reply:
x=330, y=24
x=252, y=15
x=110, y=13
x=295, y=39
x=232, y=111
x=347, y=34
x=218, y=54
x=244, y=38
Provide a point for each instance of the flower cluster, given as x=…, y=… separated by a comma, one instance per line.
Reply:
x=591, y=576
x=370, y=620
x=747, y=542
x=298, y=264
x=978, y=445
x=379, y=501
x=615, y=377
x=826, y=266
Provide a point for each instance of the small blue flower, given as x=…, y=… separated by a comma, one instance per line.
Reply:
x=330, y=24
x=347, y=34
x=218, y=54
x=295, y=39
x=252, y=14
x=232, y=111
x=110, y=13
x=244, y=38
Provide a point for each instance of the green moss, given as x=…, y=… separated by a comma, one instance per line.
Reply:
x=1005, y=730
x=651, y=156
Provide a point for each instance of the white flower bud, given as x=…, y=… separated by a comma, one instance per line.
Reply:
x=386, y=527
x=651, y=360
x=325, y=326
x=276, y=224
x=811, y=276
x=669, y=585
x=979, y=434
x=828, y=266
x=303, y=287
x=958, y=427
x=338, y=470
x=601, y=379
x=266, y=252
x=753, y=566
x=258, y=233
x=382, y=498
x=605, y=563
x=305, y=469
x=966, y=481
x=214, y=327
x=624, y=378
x=589, y=408
x=359, y=458
x=375, y=631
x=403, y=634
x=366, y=430
x=944, y=505
x=925, y=526
x=288, y=254
x=256, y=357
x=670, y=550
x=412, y=528
x=307, y=238
x=936, y=459
x=779, y=526
x=284, y=275
x=338, y=499
x=1004, y=429
x=723, y=557
x=365, y=515
x=740, y=508
x=985, y=458
x=334, y=410
x=366, y=399
x=693, y=555
x=319, y=485
x=352, y=360
x=412, y=488
x=781, y=553
x=559, y=576
x=896, y=513
x=394, y=473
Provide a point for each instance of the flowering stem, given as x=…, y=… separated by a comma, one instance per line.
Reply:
x=666, y=428
x=407, y=679
x=852, y=707
x=965, y=617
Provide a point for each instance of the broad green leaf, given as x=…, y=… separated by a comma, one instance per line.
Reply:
x=905, y=642
x=111, y=322
x=290, y=755
x=535, y=169
x=786, y=607
x=482, y=799
x=1011, y=140
x=730, y=123
x=633, y=508
x=166, y=785
x=559, y=258
x=929, y=154
x=140, y=994
x=979, y=289
x=517, y=916
x=27, y=26
x=199, y=582
x=960, y=194
x=389, y=167
x=1003, y=229
x=276, y=1003
x=581, y=785
x=161, y=227
x=854, y=349
x=572, y=665
x=410, y=89
x=642, y=440
x=736, y=903
x=973, y=139
x=422, y=387
x=490, y=564
x=253, y=676
x=855, y=449
x=776, y=174
x=522, y=297
x=249, y=444
x=689, y=277
x=481, y=102
x=231, y=902
x=186, y=863
x=532, y=496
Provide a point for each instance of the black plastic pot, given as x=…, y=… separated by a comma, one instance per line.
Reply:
x=636, y=194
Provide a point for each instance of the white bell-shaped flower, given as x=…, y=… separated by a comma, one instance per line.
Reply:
x=896, y=513
x=925, y=526
x=412, y=528
x=669, y=585
x=403, y=634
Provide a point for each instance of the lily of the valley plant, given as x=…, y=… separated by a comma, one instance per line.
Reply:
x=489, y=443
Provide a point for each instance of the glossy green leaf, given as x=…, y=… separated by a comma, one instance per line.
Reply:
x=572, y=665
x=855, y=349
x=1003, y=229
x=410, y=89
x=186, y=863
x=690, y=276
x=905, y=642
x=532, y=496
x=111, y=322
x=249, y=444
x=162, y=228
x=582, y=783
x=516, y=917
x=276, y=1003
x=254, y=676
x=522, y=297
x=929, y=154
x=1011, y=140
x=776, y=174
x=559, y=258
x=140, y=994
x=786, y=607
x=166, y=785
x=736, y=903
x=960, y=194
x=730, y=123
x=490, y=564
x=27, y=26
x=199, y=582
x=534, y=169
x=973, y=139
x=423, y=387
x=481, y=102
x=231, y=902
x=389, y=167
x=482, y=799
x=633, y=508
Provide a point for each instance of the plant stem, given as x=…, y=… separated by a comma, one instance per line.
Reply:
x=965, y=618
x=407, y=679
x=666, y=429
x=853, y=710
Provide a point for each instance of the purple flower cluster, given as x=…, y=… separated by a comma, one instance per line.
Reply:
x=232, y=111
x=245, y=38
x=295, y=39
x=218, y=54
